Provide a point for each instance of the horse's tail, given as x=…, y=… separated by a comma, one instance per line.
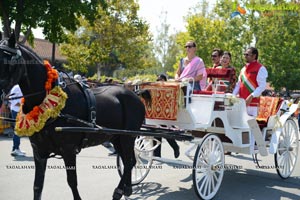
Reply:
x=146, y=95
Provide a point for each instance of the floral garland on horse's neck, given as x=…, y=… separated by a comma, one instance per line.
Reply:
x=54, y=102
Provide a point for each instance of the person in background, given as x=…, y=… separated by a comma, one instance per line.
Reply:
x=172, y=142
x=14, y=108
x=225, y=63
x=216, y=57
x=216, y=60
x=161, y=77
x=192, y=66
x=252, y=81
x=298, y=113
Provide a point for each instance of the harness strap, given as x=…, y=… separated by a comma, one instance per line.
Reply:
x=91, y=100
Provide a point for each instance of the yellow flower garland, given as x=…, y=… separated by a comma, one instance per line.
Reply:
x=51, y=106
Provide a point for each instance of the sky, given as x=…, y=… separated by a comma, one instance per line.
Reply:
x=150, y=10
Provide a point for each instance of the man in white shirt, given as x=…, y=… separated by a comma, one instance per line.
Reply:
x=252, y=81
x=14, y=108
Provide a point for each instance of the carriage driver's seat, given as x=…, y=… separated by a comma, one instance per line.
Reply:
x=268, y=106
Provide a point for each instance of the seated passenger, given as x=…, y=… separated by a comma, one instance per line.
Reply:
x=225, y=62
x=192, y=67
x=229, y=76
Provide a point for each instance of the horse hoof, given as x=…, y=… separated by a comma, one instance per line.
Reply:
x=118, y=193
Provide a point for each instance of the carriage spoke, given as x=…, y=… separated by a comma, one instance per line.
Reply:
x=208, y=175
x=287, y=152
x=201, y=170
x=206, y=185
x=200, y=177
x=203, y=182
x=209, y=184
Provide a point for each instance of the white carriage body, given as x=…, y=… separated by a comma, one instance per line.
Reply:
x=219, y=122
x=226, y=116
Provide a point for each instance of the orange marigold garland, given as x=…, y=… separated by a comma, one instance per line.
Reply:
x=52, y=76
x=54, y=102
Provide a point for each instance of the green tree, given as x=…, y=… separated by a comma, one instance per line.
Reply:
x=116, y=39
x=54, y=16
x=271, y=26
x=165, y=47
x=278, y=39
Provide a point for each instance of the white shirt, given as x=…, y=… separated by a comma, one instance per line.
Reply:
x=261, y=80
x=15, y=104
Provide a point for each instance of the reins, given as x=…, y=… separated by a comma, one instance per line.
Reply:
x=19, y=97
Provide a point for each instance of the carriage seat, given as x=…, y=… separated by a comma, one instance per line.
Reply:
x=205, y=92
x=268, y=106
x=166, y=98
x=224, y=74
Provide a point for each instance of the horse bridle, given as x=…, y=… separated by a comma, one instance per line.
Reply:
x=8, y=50
x=16, y=57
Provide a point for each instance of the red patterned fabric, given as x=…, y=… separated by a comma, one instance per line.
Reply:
x=165, y=98
x=227, y=74
x=267, y=108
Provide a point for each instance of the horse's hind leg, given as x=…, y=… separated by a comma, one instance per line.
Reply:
x=126, y=151
x=69, y=157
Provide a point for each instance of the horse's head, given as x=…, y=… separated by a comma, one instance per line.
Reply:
x=12, y=65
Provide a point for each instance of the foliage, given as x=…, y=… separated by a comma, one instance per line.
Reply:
x=52, y=15
x=165, y=46
x=279, y=43
x=272, y=27
x=116, y=40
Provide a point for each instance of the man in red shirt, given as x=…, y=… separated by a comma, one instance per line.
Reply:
x=252, y=81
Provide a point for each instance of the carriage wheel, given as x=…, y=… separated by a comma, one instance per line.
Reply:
x=287, y=151
x=143, y=150
x=208, y=167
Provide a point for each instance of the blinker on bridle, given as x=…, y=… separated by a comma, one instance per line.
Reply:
x=15, y=52
x=16, y=55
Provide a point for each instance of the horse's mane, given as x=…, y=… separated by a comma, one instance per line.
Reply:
x=30, y=53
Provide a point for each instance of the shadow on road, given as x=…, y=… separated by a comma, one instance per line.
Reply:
x=236, y=185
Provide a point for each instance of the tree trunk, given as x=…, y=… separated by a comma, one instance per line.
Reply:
x=53, y=54
x=98, y=71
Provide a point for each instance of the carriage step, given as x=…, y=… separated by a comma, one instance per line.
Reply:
x=258, y=136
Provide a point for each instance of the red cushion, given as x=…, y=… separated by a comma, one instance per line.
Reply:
x=218, y=72
x=206, y=92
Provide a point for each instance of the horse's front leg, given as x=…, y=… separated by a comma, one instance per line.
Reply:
x=40, y=168
x=69, y=157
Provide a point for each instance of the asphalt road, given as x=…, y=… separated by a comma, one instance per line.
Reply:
x=97, y=177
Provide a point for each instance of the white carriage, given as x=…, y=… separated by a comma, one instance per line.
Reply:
x=219, y=123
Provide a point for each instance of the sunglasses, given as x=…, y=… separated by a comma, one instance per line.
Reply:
x=246, y=54
x=214, y=56
x=188, y=46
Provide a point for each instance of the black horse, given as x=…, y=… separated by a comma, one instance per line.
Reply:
x=116, y=107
